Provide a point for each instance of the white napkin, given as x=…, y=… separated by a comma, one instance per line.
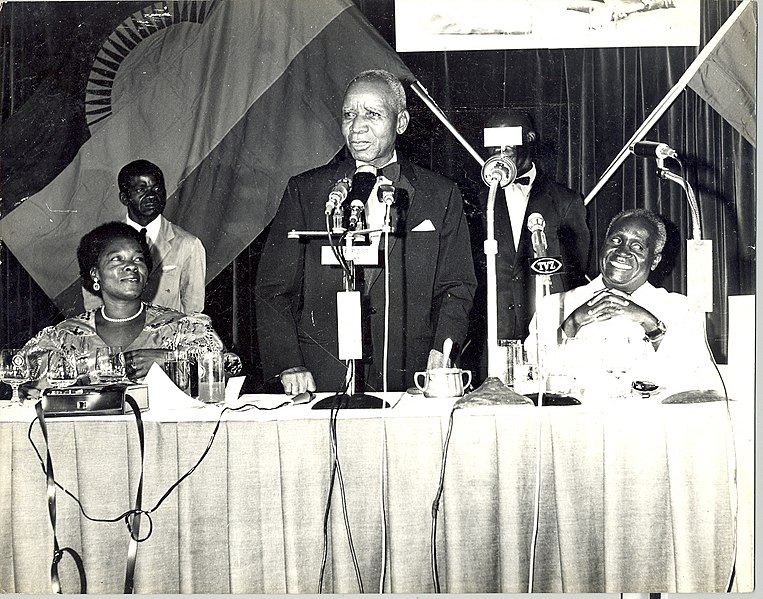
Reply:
x=163, y=394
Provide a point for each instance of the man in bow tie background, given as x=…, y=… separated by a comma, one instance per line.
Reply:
x=566, y=232
x=431, y=275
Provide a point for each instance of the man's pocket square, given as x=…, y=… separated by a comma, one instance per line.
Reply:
x=425, y=225
x=167, y=267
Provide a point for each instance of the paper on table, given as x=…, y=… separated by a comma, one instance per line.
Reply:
x=163, y=394
x=233, y=388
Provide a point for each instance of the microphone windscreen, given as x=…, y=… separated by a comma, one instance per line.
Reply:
x=536, y=222
x=362, y=184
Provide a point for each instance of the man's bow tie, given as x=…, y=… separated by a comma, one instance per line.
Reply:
x=391, y=171
x=522, y=180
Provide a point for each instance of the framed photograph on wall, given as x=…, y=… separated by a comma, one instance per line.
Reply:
x=437, y=25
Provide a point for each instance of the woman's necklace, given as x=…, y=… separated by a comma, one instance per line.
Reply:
x=133, y=317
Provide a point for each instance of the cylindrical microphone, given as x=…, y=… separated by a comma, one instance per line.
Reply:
x=386, y=194
x=363, y=182
x=338, y=194
x=652, y=149
x=501, y=168
x=537, y=225
x=356, y=210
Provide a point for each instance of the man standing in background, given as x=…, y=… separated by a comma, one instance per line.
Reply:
x=180, y=262
x=566, y=231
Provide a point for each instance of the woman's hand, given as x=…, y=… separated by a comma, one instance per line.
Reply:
x=139, y=361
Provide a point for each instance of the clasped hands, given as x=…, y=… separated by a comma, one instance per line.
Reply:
x=605, y=305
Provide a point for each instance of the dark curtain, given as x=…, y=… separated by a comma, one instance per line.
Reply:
x=586, y=104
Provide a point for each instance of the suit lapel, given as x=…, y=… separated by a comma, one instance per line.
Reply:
x=163, y=244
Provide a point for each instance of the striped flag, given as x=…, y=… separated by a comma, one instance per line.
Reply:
x=229, y=97
x=727, y=78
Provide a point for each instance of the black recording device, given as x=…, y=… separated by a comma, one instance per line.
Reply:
x=93, y=400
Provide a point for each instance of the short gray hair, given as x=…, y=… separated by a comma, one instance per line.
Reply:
x=651, y=217
x=390, y=80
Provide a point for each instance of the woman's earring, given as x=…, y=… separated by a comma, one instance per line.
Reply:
x=96, y=285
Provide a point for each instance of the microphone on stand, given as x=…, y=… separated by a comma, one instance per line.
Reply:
x=499, y=167
x=653, y=149
x=363, y=182
x=537, y=225
x=386, y=194
x=338, y=195
x=357, y=208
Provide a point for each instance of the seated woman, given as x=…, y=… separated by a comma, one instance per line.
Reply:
x=114, y=263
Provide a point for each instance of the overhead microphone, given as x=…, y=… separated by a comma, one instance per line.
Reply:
x=537, y=225
x=653, y=149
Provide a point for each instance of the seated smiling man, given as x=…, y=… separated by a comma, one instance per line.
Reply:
x=619, y=328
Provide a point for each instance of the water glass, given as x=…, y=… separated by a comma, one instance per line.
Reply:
x=110, y=364
x=211, y=377
x=62, y=368
x=514, y=353
x=178, y=369
x=14, y=370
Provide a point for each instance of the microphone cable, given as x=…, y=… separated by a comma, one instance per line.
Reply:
x=536, y=501
x=383, y=428
x=732, y=461
x=336, y=474
x=132, y=515
x=436, y=505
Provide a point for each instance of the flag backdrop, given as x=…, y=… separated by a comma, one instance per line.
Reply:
x=229, y=97
x=726, y=79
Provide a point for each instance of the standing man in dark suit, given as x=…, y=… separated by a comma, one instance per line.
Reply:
x=431, y=276
x=566, y=230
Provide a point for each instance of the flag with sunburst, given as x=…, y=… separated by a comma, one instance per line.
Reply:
x=229, y=97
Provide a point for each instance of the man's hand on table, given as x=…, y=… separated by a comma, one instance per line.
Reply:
x=297, y=380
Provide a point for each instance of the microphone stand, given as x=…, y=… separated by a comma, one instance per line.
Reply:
x=352, y=399
x=542, y=288
x=496, y=172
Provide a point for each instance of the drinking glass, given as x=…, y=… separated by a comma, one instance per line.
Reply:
x=109, y=364
x=62, y=368
x=177, y=368
x=14, y=370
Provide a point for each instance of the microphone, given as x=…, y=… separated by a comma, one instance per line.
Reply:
x=501, y=168
x=653, y=149
x=537, y=225
x=363, y=182
x=338, y=194
x=356, y=210
x=386, y=194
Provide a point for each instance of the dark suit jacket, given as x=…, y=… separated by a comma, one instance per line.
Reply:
x=431, y=281
x=567, y=236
